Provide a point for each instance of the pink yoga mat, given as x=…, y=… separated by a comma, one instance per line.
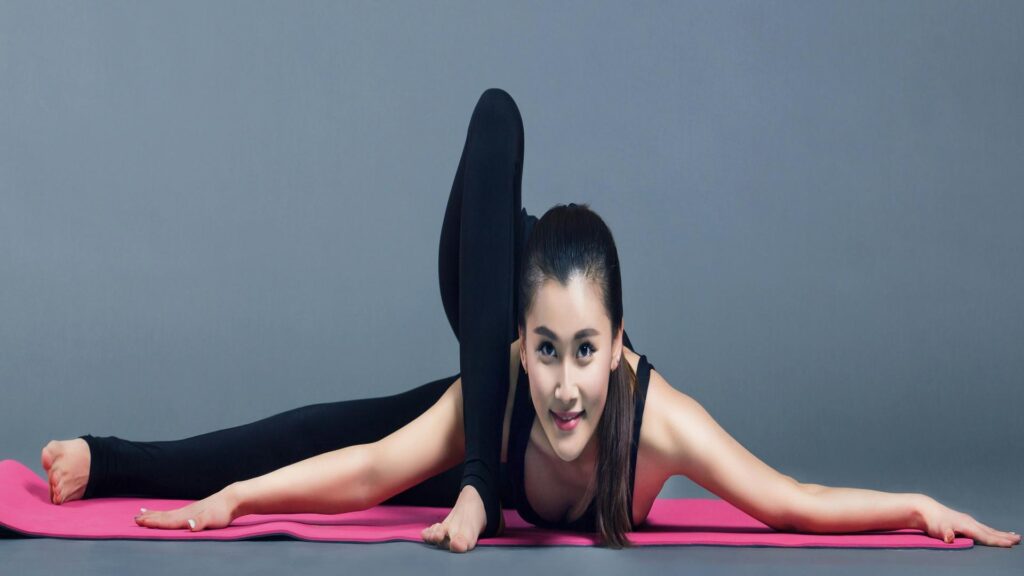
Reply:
x=25, y=508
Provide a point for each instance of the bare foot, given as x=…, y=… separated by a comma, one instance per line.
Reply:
x=461, y=529
x=67, y=466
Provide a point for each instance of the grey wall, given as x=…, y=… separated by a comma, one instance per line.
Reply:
x=214, y=212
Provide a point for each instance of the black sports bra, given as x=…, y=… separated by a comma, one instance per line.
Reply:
x=523, y=417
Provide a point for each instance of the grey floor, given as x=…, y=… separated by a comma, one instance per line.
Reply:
x=51, y=556
x=993, y=501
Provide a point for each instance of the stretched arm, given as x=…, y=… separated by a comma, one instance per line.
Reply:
x=857, y=509
x=330, y=483
x=689, y=442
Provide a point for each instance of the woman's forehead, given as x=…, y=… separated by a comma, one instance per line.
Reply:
x=567, y=309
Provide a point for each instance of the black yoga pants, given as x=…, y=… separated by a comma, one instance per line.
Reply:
x=484, y=231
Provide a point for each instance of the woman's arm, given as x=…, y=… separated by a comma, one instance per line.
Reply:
x=844, y=510
x=330, y=483
x=688, y=441
x=361, y=476
x=857, y=509
x=350, y=478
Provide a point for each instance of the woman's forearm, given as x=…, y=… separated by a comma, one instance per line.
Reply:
x=329, y=483
x=836, y=510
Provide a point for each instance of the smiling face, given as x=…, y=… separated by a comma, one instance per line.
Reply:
x=569, y=352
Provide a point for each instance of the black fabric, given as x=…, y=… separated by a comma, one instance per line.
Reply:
x=481, y=241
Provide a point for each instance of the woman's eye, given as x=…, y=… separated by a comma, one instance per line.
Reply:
x=587, y=346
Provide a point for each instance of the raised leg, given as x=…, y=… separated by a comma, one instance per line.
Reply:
x=478, y=271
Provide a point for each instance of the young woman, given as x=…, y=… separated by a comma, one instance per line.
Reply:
x=589, y=431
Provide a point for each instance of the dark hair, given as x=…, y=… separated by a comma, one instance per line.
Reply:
x=568, y=241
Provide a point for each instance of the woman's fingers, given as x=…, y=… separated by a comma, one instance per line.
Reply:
x=170, y=519
x=990, y=536
x=210, y=513
x=984, y=535
x=1000, y=538
x=944, y=523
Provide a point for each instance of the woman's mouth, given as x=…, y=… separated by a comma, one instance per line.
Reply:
x=566, y=420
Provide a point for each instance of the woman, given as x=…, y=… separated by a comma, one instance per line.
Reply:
x=589, y=431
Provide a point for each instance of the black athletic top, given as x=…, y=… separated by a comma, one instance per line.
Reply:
x=523, y=416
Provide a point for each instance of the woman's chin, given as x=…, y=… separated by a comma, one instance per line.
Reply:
x=568, y=450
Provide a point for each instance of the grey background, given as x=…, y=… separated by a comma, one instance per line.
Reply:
x=214, y=212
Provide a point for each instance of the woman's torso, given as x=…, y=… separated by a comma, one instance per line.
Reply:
x=556, y=493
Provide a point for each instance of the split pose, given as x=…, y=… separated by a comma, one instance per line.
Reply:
x=553, y=412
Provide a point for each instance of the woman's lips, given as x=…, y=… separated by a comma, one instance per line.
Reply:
x=566, y=424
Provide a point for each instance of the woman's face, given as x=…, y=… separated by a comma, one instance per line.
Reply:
x=568, y=353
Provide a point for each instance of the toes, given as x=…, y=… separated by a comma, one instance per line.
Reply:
x=459, y=544
x=49, y=454
x=45, y=458
x=57, y=486
x=433, y=533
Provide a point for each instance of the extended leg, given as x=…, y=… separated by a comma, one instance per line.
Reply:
x=195, y=467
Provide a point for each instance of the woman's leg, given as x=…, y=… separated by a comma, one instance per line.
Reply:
x=478, y=275
x=195, y=467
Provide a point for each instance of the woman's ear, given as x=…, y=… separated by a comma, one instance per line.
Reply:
x=522, y=349
x=617, y=345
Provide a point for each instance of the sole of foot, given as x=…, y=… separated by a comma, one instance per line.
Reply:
x=66, y=463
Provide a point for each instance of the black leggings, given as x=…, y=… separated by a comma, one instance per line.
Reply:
x=482, y=237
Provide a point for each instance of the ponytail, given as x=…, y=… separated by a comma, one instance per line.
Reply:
x=614, y=517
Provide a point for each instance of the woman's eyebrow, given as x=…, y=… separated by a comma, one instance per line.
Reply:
x=546, y=332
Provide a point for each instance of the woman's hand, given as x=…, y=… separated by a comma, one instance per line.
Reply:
x=461, y=529
x=941, y=522
x=216, y=511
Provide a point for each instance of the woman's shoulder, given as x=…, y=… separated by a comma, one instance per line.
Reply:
x=663, y=408
x=654, y=459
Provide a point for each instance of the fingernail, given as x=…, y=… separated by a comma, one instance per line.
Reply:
x=191, y=523
x=142, y=509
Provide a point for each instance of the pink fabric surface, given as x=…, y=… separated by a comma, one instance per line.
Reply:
x=25, y=508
